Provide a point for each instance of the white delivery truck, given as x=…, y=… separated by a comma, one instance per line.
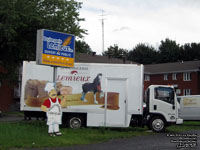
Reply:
x=108, y=95
x=189, y=107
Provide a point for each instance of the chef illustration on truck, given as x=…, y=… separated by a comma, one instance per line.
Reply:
x=52, y=106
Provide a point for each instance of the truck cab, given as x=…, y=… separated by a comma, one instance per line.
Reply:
x=161, y=107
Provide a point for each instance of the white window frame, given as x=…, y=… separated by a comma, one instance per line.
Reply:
x=187, y=91
x=146, y=77
x=187, y=76
x=174, y=76
x=165, y=77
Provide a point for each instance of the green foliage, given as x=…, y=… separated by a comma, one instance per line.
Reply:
x=20, y=20
x=115, y=52
x=83, y=47
x=190, y=51
x=168, y=51
x=143, y=54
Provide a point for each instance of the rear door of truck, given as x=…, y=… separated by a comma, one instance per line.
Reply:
x=116, y=118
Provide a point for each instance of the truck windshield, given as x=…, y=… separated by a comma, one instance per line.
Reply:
x=165, y=94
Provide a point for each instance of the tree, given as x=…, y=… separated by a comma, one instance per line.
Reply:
x=143, y=54
x=83, y=47
x=116, y=52
x=20, y=20
x=190, y=51
x=169, y=51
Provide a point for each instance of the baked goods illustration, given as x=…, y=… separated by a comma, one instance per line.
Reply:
x=35, y=95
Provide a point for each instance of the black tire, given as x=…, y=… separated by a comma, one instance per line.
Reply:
x=157, y=124
x=75, y=122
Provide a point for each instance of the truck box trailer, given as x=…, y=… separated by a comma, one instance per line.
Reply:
x=108, y=95
x=189, y=107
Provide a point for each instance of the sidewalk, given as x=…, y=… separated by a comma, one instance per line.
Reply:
x=11, y=117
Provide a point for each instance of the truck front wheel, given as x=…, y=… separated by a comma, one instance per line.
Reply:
x=157, y=124
x=75, y=122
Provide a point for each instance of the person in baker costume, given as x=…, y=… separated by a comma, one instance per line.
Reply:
x=52, y=106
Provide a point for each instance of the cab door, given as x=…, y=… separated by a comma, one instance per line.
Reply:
x=163, y=102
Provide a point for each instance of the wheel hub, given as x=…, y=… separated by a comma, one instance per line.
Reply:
x=75, y=123
x=158, y=124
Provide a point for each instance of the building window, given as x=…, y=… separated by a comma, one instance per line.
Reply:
x=178, y=91
x=187, y=92
x=187, y=76
x=174, y=77
x=146, y=77
x=165, y=76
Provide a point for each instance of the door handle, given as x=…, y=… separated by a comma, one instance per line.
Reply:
x=155, y=107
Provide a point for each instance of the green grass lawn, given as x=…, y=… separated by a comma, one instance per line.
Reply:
x=34, y=134
x=187, y=125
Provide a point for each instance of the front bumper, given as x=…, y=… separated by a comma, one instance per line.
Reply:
x=179, y=121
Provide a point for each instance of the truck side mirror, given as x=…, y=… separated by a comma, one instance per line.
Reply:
x=173, y=107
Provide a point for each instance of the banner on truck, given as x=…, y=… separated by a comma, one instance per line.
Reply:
x=55, y=48
x=77, y=86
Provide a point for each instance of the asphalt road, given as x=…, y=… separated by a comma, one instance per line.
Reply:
x=164, y=141
x=11, y=118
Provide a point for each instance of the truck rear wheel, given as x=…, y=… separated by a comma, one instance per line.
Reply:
x=75, y=122
x=157, y=124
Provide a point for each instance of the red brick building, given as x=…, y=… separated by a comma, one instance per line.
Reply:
x=6, y=93
x=185, y=76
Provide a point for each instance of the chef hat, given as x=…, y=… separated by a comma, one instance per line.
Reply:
x=49, y=86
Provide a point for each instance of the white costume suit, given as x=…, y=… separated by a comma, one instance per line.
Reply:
x=54, y=112
x=54, y=116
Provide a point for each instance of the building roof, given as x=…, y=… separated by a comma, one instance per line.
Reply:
x=92, y=58
x=184, y=66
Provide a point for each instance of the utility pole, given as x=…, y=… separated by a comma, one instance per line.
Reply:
x=102, y=22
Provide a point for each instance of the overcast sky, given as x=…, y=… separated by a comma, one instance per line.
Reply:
x=130, y=22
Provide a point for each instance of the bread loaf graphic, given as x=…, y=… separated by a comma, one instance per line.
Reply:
x=41, y=92
x=34, y=101
x=31, y=89
x=35, y=93
x=66, y=90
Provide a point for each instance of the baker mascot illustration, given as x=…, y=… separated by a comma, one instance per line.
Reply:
x=52, y=106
